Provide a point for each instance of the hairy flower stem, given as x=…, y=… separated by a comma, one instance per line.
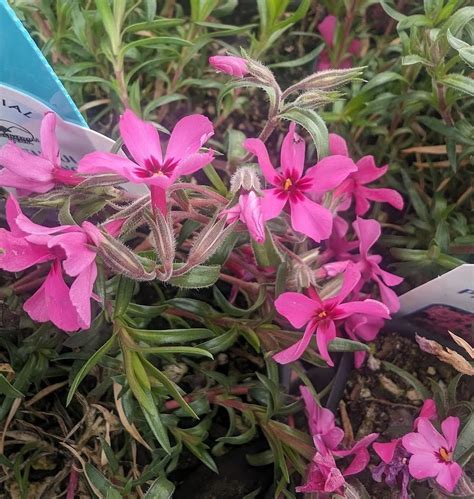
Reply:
x=443, y=106
x=201, y=189
x=252, y=287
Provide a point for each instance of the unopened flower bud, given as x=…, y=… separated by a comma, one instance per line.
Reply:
x=303, y=275
x=162, y=239
x=315, y=98
x=245, y=178
x=208, y=242
x=119, y=258
x=327, y=80
x=260, y=72
x=229, y=64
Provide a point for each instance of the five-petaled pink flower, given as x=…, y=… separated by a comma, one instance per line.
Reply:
x=327, y=28
x=368, y=232
x=31, y=173
x=291, y=186
x=229, y=64
x=321, y=316
x=323, y=473
x=150, y=167
x=354, y=185
x=69, y=249
x=433, y=453
x=248, y=210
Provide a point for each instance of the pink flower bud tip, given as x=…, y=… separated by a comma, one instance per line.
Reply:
x=234, y=66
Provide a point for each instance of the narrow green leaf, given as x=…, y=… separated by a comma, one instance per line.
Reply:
x=234, y=311
x=170, y=336
x=458, y=82
x=201, y=276
x=266, y=254
x=315, y=126
x=161, y=488
x=7, y=389
x=345, y=345
x=408, y=378
x=96, y=357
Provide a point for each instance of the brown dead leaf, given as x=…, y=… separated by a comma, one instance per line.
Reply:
x=441, y=149
x=448, y=356
x=463, y=344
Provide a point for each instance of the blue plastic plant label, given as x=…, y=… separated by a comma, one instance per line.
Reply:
x=29, y=88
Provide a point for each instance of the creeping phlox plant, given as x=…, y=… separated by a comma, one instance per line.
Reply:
x=287, y=227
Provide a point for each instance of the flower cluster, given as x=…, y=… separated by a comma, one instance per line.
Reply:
x=423, y=453
x=324, y=475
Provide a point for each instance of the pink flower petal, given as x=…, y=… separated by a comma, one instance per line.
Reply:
x=105, y=162
x=389, y=297
x=293, y=154
x=192, y=163
x=295, y=351
x=424, y=465
x=158, y=198
x=368, y=232
x=311, y=218
x=367, y=170
x=449, y=476
x=141, y=138
x=351, y=279
x=359, y=463
x=369, y=307
x=330, y=172
x=450, y=428
x=81, y=293
x=258, y=148
x=26, y=165
x=52, y=302
x=361, y=204
x=327, y=28
x=428, y=410
x=251, y=215
x=416, y=443
x=432, y=436
x=390, y=279
x=9, y=179
x=355, y=47
x=324, y=61
x=273, y=202
x=49, y=143
x=386, y=450
x=188, y=136
x=18, y=254
x=13, y=210
x=389, y=196
x=78, y=255
x=325, y=333
x=296, y=307
x=337, y=145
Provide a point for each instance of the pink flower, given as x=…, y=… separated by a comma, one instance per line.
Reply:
x=150, y=168
x=322, y=316
x=327, y=28
x=248, y=210
x=290, y=186
x=323, y=473
x=31, y=173
x=368, y=232
x=432, y=453
x=321, y=421
x=353, y=186
x=69, y=249
x=394, y=457
x=234, y=66
x=337, y=247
